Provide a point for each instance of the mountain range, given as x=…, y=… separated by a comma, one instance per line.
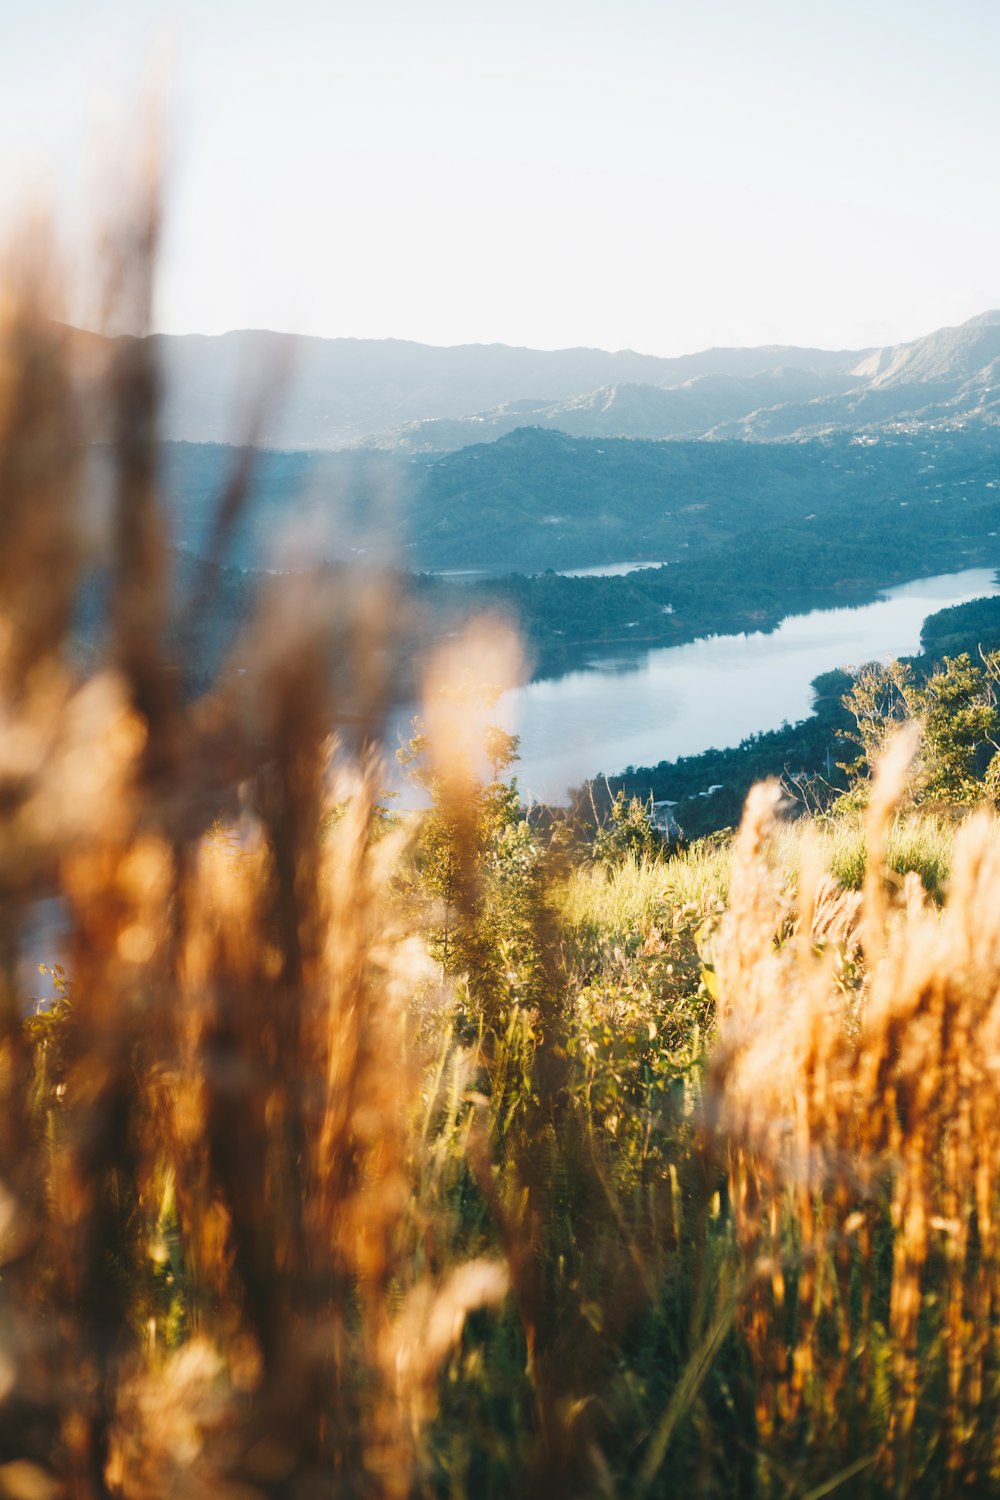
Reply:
x=394, y=395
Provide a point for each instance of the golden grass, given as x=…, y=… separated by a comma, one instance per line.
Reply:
x=206, y=1148
x=626, y=897
x=839, y=1120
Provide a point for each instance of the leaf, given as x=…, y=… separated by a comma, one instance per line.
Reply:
x=684, y=1395
x=841, y=1477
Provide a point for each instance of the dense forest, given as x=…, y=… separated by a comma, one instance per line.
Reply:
x=536, y=499
x=751, y=581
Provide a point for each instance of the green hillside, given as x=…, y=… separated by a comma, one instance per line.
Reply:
x=535, y=499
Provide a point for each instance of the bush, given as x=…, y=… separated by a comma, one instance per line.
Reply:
x=629, y=831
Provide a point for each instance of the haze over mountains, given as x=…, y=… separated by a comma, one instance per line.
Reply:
x=893, y=474
x=950, y=377
x=417, y=398
x=345, y=392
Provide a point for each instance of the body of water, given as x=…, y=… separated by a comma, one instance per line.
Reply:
x=609, y=570
x=679, y=700
x=473, y=574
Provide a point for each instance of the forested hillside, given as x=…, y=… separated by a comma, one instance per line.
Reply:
x=537, y=500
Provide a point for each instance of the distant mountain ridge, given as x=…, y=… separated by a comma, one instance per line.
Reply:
x=691, y=409
x=338, y=393
x=947, y=378
x=395, y=395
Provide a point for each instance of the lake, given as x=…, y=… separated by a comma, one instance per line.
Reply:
x=678, y=700
x=475, y=574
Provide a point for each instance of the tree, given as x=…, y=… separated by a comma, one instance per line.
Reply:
x=956, y=708
x=628, y=832
x=477, y=855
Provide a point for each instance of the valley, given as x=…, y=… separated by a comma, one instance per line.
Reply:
x=542, y=523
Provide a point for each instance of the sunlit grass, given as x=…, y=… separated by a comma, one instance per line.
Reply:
x=916, y=839
x=626, y=898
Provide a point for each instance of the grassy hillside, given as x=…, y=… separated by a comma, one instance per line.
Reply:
x=352, y=1156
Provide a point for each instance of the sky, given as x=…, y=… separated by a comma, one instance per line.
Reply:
x=660, y=175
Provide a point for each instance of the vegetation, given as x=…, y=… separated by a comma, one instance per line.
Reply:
x=435, y=1156
x=953, y=696
x=628, y=831
x=751, y=531
x=538, y=499
x=747, y=583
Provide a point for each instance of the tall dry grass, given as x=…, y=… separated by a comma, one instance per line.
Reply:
x=206, y=1143
x=863, y=1129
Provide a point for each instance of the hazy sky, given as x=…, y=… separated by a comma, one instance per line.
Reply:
x=654, y=174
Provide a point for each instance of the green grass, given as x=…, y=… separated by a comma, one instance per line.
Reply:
x=618, y=902
x=630, y=897
x=920, y=841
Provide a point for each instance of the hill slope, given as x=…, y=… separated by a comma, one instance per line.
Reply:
x=538, y=499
